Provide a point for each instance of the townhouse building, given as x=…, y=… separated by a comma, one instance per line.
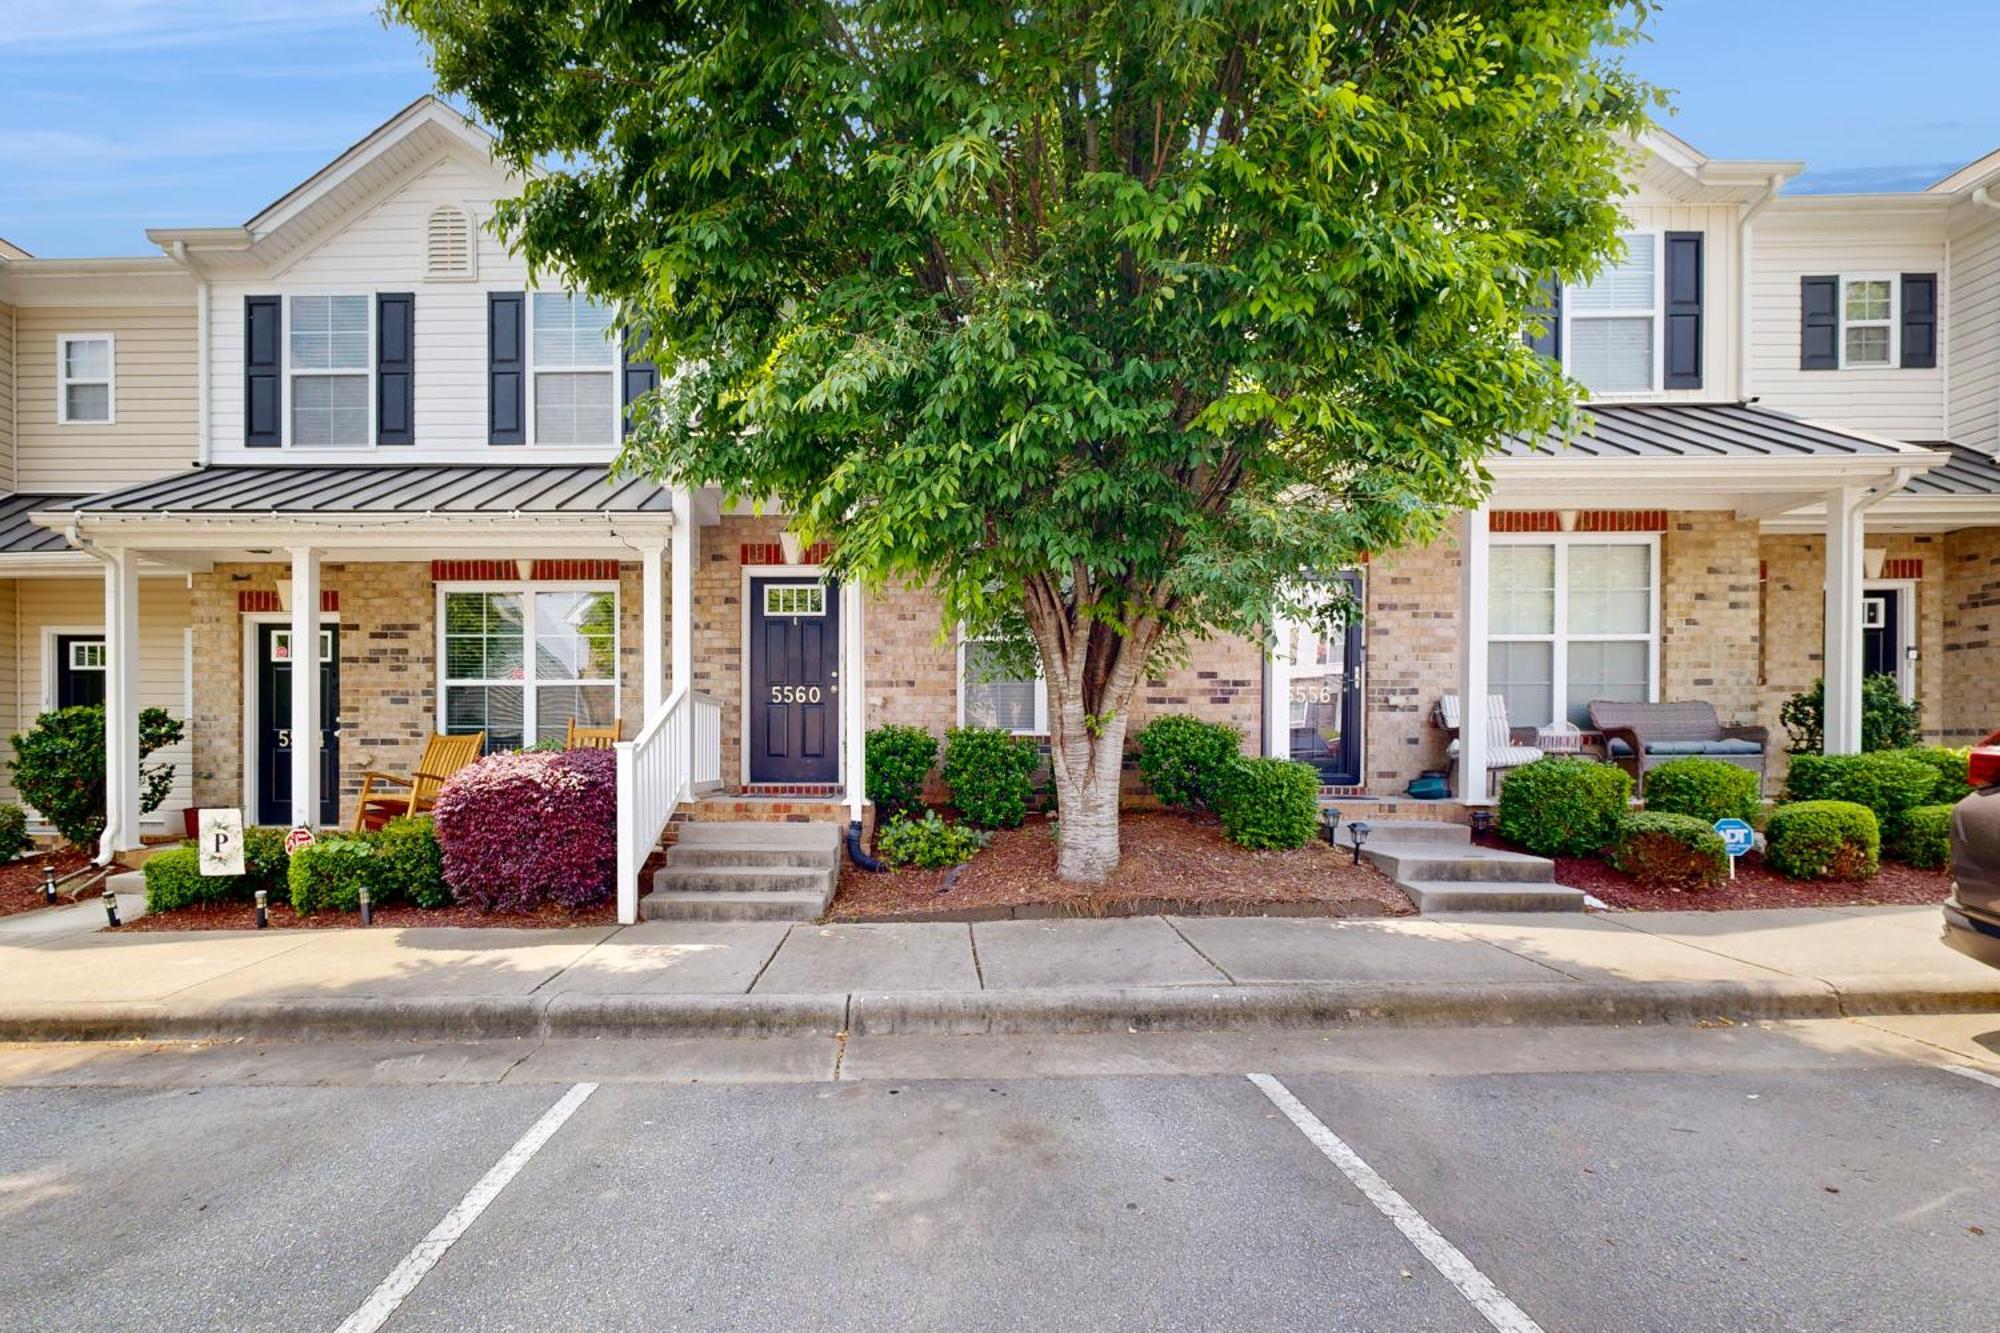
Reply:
x=351, y=432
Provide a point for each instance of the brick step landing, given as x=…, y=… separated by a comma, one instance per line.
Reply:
x=748, y=870
x=1396, y=808
x=1445, y=873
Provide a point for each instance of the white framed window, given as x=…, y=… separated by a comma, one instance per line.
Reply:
x=1612, y=341
x=795, y=599
x=572, y=370
x=1572, y=617
x=1868, y=332
x=87, y=655
x=521, y=661
x=330, y=372
x=85, y=379
x=281, y=645
x=990, y=697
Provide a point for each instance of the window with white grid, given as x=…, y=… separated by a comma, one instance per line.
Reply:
x=575, y=370
x=1614, y=321
x=330, y=371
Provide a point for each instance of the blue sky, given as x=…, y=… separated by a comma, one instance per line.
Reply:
x=116, y=115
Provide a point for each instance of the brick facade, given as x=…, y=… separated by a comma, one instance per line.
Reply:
x=1969, y=625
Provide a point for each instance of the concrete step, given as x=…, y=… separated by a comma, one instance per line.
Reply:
x=744, y=879
x=1439, y=831
x=750, y=833
x=723, y=854
x=1443, y=897
x=670, y=906
x=1403, y=861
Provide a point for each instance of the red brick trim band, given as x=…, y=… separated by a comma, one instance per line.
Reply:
x=576, y=571
x=1587, y=520
x=772, y=553
x=1903, y=569
x=263, y=600
x=474, y=571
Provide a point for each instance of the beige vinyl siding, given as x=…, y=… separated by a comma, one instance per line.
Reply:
x=1788, y=245
x=6, y=398
x=43, y=606
x=1972, y=328
x=153, y=376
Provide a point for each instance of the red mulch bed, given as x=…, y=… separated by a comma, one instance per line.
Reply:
x=21, y=881
x=1170, y=862
x=1756, y=885
x=243, y=916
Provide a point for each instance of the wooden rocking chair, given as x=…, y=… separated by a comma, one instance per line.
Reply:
x=591, y=738
x=443, y=756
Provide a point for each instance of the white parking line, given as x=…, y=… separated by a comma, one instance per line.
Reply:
x=403, y=1280
x=1976, y=1075
x=1472, y=1284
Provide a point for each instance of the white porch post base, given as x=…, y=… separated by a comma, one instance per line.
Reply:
x=305, y=687
x=1474, y=570
x=1842, y=651
x=121, y=704
x=853, y=686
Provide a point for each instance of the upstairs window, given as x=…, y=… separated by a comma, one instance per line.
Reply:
x=573, y=370
x=84, y=379
x=329, y=370
x=1613, y=322
x=1868, y=321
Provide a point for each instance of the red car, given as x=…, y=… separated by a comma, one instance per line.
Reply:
x=1972, y=917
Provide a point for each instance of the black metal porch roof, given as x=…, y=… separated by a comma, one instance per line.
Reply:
x=496, y=489
x=19, y=536
x=1701, y=430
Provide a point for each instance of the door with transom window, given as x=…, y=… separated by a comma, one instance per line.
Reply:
x=794, y=701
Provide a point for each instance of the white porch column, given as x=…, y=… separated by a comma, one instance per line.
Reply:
x=853, y=696
x=1844, y=525
x=652, y=628
x=121, y=703
x=1474, y=574
x=1278, y=693
x=305, y=687
x=683, y=601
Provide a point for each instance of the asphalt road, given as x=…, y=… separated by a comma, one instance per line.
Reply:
x=1807, y=1177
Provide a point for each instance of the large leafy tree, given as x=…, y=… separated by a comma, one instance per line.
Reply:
x=1113, y=320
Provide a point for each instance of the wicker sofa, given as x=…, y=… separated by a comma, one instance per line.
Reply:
x=1642, y=736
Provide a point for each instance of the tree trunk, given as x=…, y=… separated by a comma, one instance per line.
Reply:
x=1087, y=770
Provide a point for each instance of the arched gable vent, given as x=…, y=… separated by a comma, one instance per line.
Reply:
x=450, y=249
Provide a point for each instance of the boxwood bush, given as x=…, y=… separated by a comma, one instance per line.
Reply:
x=1923, y=837
x=1183, y=759
x=408, y=865
x=1268, y=804
x=1564, y=806
x=1823, y=840
x=174, y=879
x=328, y=875
x=1704, y=789
x=928, y=843
x=1950, y=763
x=521, y=830
x=58, y=768
x=14, y=837
x=899, y=759
x=990, y=773
x=1669, y=851
x=1888, y=782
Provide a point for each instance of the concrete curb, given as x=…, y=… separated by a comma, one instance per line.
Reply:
x=954, y=1013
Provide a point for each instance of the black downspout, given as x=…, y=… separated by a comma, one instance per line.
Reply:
x=854, y=851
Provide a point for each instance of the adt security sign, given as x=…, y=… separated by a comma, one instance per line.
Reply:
x=1737, y=838
x=221, y=841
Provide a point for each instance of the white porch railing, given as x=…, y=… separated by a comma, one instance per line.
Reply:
x=652, y=779
x=707, y=743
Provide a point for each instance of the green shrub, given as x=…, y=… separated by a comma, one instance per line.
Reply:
x=990, y=774
x=1269, y=803
x=1823, y=840
x=1950, y=762
x=928, y=843
x=1669, y=851
x=1183, y=759
x=1704, y=789
x=899, y=759
x=58, y=768
x=14, y=837
x=1888, y=782
x=409, y=867
x=1888, y=721
x=1561, y=806
x=174, y=879
x=266, y=863
x=328, y=875
x=1922, y=837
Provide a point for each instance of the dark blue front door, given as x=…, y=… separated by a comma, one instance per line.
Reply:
x=274, y=724
x=794, y=703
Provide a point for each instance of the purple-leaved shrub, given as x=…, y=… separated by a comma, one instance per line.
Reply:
x=521, y=830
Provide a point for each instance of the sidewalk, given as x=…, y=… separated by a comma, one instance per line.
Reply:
x=1145, y=973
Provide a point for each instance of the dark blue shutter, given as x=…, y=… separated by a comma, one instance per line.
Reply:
x=395, y=368
x=506, y=368
x=263, y=372
x=1919, y=321
x=1819, y=323
x=1683, y=347
x=640, y=377
x=1549, y=315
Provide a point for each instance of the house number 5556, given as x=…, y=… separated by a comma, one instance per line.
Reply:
x=795, y=694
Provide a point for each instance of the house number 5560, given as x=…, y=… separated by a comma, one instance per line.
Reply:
x=795, y=694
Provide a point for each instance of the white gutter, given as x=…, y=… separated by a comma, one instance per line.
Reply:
x=1982, y=199
x=1762, y=202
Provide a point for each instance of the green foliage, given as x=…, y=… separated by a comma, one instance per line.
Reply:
x=1888, y=782
x=1704, y=789
x=329, y=875
x=1269, y=804
x=1922, y=837
x=1183, y=759
x=58, y=768
x=1823, y=840
x=14, y=837
x=1888, y=722
x=1669, y=851
x=1561, y=806
x=266, y=863
x=174, y=879
x=1104, y=320
x=990, y=773
x=899, y=759
x=1950, y=762
x=408, y=866
x=928, y=843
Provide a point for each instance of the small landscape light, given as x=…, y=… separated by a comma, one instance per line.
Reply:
x=1357, y=833
x=49, y=881
x=263, y=908
x=111, y=905
x=367, y=907
x=1329, y=824
x=1482, y=821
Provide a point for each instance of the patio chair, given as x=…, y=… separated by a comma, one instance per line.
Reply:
x=1506, y=747
x=443, y=756
x=592, y=738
